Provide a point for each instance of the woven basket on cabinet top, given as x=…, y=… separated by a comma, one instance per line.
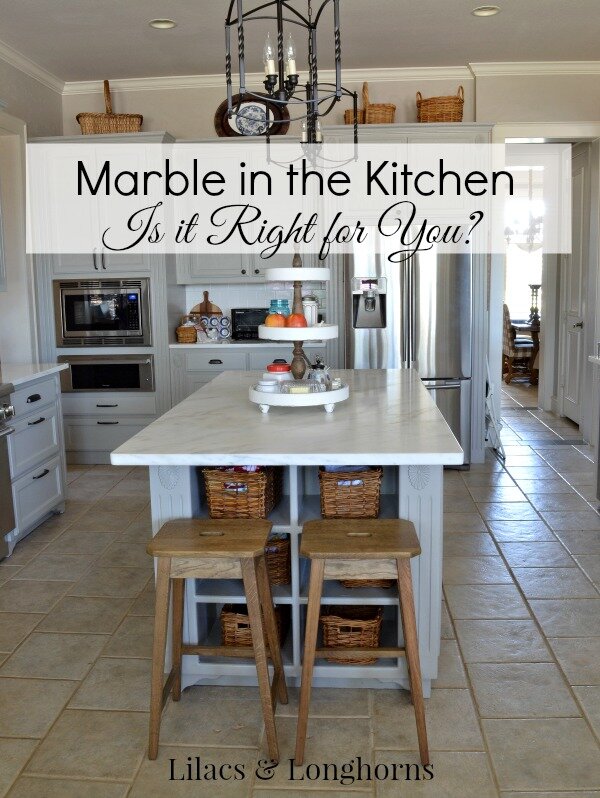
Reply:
x=108, y=122
x=371, y=113
x=441, y=109
x=351, y=627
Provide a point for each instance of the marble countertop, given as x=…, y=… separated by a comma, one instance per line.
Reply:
x=389, y=419
x=20, y=373
x=594, y=359
x=238, y=344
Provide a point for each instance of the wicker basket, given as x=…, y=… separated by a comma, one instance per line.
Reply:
x=244, y=494
x=351, y=627
x=235, y=625
x=352, y=583
x=277, y=555
x=371, y=113
x=350, y=501
x=441, y=109
x=109, y=122
x=186, y=335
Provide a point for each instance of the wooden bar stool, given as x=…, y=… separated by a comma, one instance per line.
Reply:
x=361, y=549
x=214, y=549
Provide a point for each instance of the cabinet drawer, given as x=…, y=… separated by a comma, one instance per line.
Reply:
x=84, y=434
x=214, y=360
x=34, y=395
x=79, y=405
x=37, y=493
x=35, y=439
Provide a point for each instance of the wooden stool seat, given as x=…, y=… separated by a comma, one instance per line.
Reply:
x=214, y=549
x=361, y=549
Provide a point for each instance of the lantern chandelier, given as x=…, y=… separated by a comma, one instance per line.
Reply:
x=282, y=76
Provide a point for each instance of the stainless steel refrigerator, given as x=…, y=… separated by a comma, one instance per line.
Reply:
x=415, y=313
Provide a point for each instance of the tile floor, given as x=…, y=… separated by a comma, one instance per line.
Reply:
x=515, y=710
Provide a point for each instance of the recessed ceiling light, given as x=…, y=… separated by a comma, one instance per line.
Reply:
x=162, y=24
x=486, y=11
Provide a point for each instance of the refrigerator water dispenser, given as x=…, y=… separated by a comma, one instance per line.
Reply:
x=368, y=302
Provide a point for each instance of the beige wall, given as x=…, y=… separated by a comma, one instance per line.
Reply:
x=548, y=98
x=189, y=113
x=37, y=105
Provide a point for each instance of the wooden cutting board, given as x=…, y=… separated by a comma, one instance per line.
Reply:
x=207, y=308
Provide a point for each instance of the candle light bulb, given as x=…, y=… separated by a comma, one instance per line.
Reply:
x=290, y=56
x=304, y=133
x=269, y=56
x=318, y=132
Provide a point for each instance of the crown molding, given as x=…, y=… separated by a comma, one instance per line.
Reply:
x=29, y=67
x=256, y=78
x=535, y=68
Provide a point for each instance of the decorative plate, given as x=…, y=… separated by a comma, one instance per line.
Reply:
x=253, y=118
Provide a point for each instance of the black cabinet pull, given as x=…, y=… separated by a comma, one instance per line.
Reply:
x=107, y=405
x=106, y=423
x=43, y=474
x=215, y=362
x=33, y=423
x=243, y=271
x=256, y=271
x=35, y=397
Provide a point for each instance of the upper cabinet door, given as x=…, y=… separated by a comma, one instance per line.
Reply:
x=195, y=268
x=98, y=264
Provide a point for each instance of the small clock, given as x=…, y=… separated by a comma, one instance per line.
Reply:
x=253, y=116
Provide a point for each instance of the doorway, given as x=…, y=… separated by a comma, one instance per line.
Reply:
x=561, y=405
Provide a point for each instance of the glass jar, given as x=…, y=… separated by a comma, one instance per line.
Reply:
x=281, y=306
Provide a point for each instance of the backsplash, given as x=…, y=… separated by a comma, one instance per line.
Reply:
x=235, y=295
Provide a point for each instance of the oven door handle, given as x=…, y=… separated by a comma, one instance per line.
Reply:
x=94, y=361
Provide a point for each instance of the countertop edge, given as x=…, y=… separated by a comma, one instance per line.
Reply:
x=318, y=458
x=16, y=374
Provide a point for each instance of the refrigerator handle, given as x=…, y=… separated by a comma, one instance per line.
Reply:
x=406, y=321
x=412, y=267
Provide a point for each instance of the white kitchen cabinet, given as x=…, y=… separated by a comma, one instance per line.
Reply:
x=88, y=438
x=199, y=268
x=99, y=264
x=36, y=454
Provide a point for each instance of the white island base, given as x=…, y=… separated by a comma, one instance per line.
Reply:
x=388, y=420
x=412, y=492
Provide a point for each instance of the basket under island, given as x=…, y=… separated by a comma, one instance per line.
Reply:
x=389, y=420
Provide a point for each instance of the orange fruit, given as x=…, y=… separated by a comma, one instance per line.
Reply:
x=296, y=320
x=275, y=320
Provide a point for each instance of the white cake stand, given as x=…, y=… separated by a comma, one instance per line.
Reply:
x=325, y=399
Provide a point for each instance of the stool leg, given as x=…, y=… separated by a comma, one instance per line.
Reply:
x=177, y=635
x=315, y=589
x=161, y=616
x=260, y=653
x=266, y=600
x=409, y=626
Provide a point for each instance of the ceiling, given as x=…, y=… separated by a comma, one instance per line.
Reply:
x=94, y=39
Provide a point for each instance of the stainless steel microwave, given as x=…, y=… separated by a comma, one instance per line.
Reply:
x=96, y=312
x=107, y=373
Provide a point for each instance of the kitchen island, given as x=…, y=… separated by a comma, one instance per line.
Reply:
x=389, y=420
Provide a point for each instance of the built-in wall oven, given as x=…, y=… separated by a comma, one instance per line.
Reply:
x=107, y=373
x=95, y=312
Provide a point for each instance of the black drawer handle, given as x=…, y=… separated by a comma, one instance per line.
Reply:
x=243, y=271
x=33, y=423
x=35, y=397
x=107, y=405
x=44, y=473
x=256, y=271
x=106, y=423
x=215, y=362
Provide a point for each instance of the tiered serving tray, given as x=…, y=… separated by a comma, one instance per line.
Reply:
x=323, y=332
